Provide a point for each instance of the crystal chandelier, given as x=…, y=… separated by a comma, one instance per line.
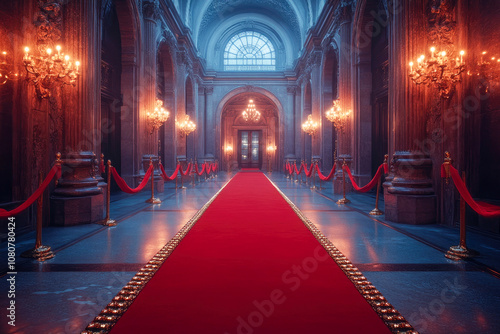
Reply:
x=49, y=70
x=337, y=116
x=185, y=126
x=440, y=70
x=158, y=116
x=6, y=70
x=251, y=114
x=310, y=126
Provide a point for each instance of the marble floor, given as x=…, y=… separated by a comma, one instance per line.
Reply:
x=406, y=263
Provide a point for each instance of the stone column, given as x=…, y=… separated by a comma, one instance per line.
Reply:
x=181, y=102
x=149, y=137
x=289, y=131
x=345, y=96
x=315, y=62
x=409, y=193
x=201, y=124
x=77, y=199
x=209, y=123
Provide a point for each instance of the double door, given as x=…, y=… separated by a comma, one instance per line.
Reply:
x=249, y=149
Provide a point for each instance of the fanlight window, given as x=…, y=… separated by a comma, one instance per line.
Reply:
x=249, y=51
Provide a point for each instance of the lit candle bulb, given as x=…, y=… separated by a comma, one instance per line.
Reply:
x=58, y=48
x=26, y=53
x=433, y=49
x=461, y=56
x=66, y=58
x=411, y=67
x=77, y=63
x=49, y=51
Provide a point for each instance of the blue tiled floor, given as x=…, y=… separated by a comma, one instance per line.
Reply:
x=405, y=263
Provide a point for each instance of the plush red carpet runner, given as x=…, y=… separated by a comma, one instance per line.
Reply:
x=249, y=265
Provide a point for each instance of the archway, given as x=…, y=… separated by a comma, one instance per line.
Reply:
x=248, y=139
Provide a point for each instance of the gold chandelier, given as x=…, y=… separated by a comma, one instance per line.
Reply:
x=6, y=70
x=338, y=116
x=251, y=114
x=158, y=116
x=440, y=70
x=185, y=126
x=310, y=126
x=49, y=70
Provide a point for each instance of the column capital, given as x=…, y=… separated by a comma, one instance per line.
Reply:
x=150, y=10
x=292, y=89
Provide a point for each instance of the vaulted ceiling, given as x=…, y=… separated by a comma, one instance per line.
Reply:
x=290, y=19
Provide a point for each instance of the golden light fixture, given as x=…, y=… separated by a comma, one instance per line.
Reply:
x=338, y=116
x=6, y=70
x=310, y=126
x=50, y=69
x=251, y=114
x=159, y=116
x=186, y=126
x=271, y=149
x=228, y=149
x=440, y=69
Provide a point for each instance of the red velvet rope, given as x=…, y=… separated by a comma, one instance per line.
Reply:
x=173, y=176
x=208, y=168
x=298, y=171
x=56, y=169
x=203, y=169
x=484, y=209
x=330, y=176
x=371, y=184
x=184, y=173
x=308, y=173
x=123, y=185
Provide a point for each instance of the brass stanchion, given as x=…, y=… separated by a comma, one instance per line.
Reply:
x=40, y=252
x=460, y=252
x=152, y=200
x=343, y=200
x=302, y=163
x=314, y=164
x=377, y=211
x=193, y=172
x=182, y=179
x=107, y=221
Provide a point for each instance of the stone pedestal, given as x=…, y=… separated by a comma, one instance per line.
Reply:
x=337, y=179
x=409, y=196
x=77, y=198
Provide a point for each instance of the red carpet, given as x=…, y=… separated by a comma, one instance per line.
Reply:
x=249, y=265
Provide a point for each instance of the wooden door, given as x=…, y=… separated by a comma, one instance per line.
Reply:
x=249, y=149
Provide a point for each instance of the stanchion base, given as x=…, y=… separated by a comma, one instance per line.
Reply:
x=153, y=200
x=314, y=187
x=376, y=212
x=41, y=253
x=182, y=187
x=343, y=201
x=458, y=252
x=108, y=222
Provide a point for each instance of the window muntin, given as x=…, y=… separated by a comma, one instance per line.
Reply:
x=249, y=51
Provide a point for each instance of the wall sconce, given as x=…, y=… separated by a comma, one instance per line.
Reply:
x=310, y=126
x=159, y=116
x=338, y=116
x=185, y=126
x=6, y=70
x=49, y=70
x=440, y=70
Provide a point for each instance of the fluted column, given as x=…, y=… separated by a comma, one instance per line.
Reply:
x=289, y=130
x=209, y=123
x=345, y=91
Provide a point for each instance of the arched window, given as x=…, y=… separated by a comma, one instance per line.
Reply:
x=249, y=51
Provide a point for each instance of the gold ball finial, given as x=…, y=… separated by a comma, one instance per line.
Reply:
x=386, y=158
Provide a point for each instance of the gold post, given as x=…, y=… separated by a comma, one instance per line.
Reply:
x=377, y=211
x=40, y=252
x=182, y=178
x=152, y=200
x=447, y=164
x=192, y=172
x=107, y=221
x=314, y=163
x=302, y=164
x=460, y=252
x=343, y=200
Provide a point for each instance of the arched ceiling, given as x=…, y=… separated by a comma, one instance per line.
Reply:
x=295, y=17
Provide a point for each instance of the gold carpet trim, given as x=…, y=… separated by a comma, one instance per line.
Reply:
x=391, y=317
x=110, y=315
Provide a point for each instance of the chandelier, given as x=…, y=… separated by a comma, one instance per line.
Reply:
x=158, y=116
x=251, y=114
x=440, y=70
x=6, y=70
x=185, y=126
x=337, y=116
x=49, y=70
x=310, y=126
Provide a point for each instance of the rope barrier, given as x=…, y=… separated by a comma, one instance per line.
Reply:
x=482, y=208
x=184, y=173
x=171, y=177
x=123, y=185
x=297, y=171
x=56, y=170
x=330, y=175
x=382, y=168
x=308, y=173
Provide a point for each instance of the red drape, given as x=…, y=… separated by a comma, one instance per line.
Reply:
x=484, y=209
x=330, y=176
x=169, y=178
x=371, y=184
x=55, y=170
x=123, y=185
